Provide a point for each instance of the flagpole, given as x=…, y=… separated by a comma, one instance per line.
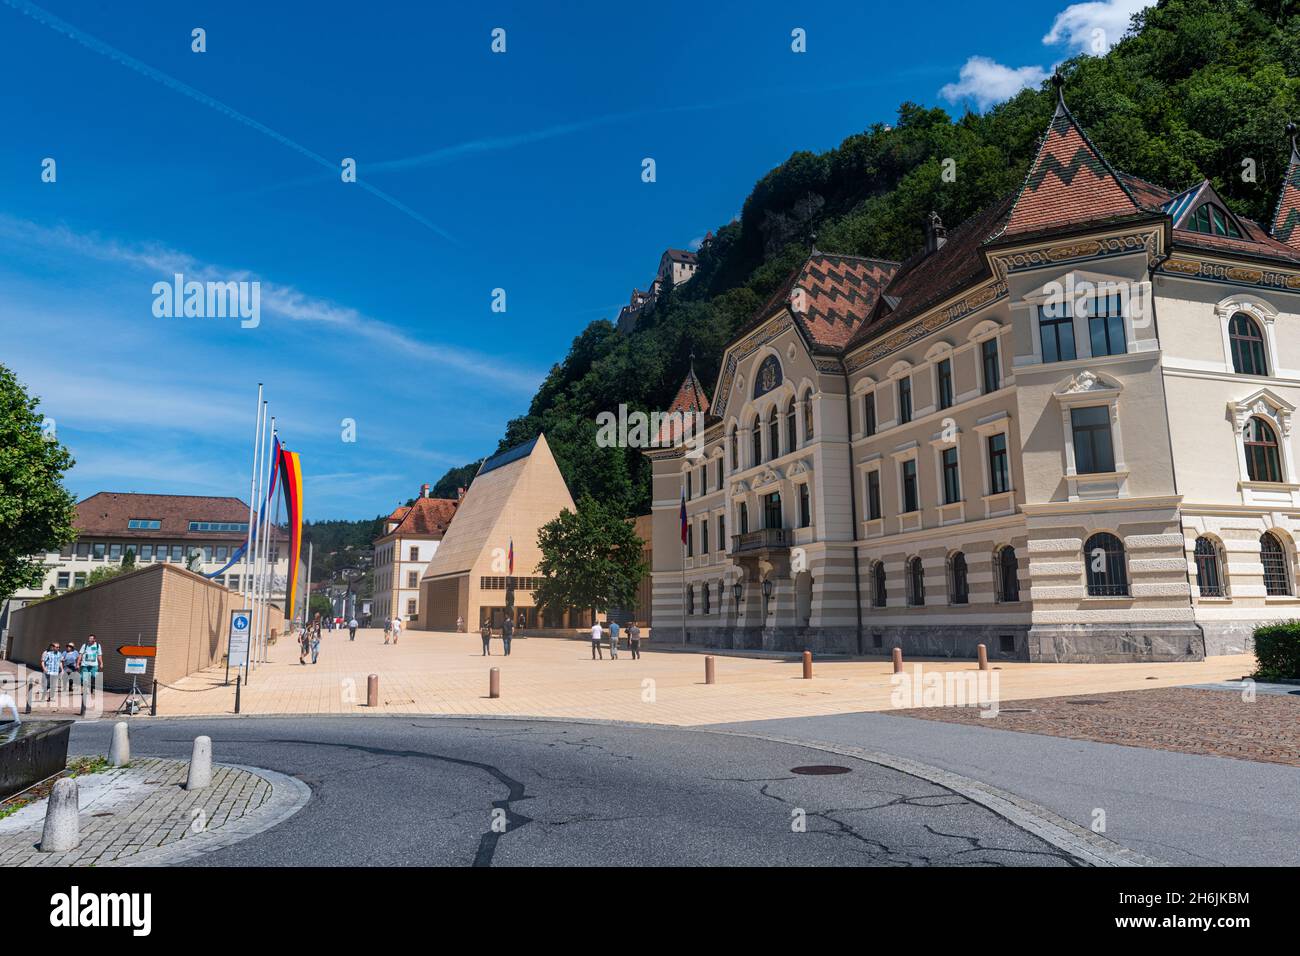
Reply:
x=252, y=497
x=306, y=604
x=263, y=589
x=262, y=477
x=683, y=536
x=250, y=581
x=275, y=528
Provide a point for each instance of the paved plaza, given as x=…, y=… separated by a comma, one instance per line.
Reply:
x=445, y=673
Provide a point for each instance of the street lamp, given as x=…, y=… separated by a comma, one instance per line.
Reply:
x=737, y=589
x=767, y=594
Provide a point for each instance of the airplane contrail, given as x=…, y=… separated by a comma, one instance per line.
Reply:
x=103, y=49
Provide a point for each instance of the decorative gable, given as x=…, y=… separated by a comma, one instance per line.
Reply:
x=1286, y=218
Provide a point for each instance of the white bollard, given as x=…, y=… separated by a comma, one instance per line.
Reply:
x=119, y=751
x=200, y=774
x=62, y=825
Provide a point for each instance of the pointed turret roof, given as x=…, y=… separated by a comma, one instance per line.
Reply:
x=1069, y=183
x=1286, y=218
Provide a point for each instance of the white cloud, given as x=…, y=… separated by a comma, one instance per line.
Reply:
x=987, y=82
x=1093, y=27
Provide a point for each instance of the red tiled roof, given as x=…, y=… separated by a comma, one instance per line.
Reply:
x=690, y=398
x=107, y=513
x=426, y=517
x=838, y=294
x=1068, y=184
x=1286, y=218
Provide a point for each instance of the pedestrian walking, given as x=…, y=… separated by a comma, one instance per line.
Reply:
x=485, y=632
x=460, y=624
x=304, y=643
x=596, y=637
x=388, y=629
x=634, y=640
x=613, y=640
x=397, y=628
x=88, y=660
x=315, y=647
x=51, y=668
x=352, y=629
x=70, y=665
x=507, y=632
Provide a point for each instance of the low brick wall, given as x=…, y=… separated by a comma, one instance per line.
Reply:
x=183, y=614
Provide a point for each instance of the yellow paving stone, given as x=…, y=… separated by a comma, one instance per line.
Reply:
x=444, y=673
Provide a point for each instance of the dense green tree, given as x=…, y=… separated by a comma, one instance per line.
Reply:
x=36, y=511
x=591, y=558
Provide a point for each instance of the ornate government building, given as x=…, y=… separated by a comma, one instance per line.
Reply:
x=1062, y=429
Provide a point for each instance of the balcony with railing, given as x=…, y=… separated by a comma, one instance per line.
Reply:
x=764, y=539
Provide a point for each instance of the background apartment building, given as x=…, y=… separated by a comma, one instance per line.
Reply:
x=411, y=537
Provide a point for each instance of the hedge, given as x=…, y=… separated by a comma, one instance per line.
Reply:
x=1277, y=649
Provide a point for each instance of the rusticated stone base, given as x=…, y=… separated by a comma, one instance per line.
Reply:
x=1104, y=644
x=1229, y=637
x=1002, y=642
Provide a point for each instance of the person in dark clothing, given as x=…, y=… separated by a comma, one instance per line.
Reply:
x=634, y=640
x=485, y=632
x=507, y=632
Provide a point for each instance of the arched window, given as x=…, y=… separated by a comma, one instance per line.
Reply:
x=807, y=415
x=915, y=582
x=1277, y=568
x=757, y=437
x=773, y=434
x=708, y=588
x=1007, y=566
x=735, y=448
x=744, y=518
x=1262, y=460
x=958, y=588
x=1209, y=576
x=791, y=440
x=878, y=593
x=1103, y=557
x=1247, y=344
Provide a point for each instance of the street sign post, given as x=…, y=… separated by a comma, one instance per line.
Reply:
x=137, y=665
x=237, y=644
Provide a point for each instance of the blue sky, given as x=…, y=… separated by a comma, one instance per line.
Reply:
x=476, y=171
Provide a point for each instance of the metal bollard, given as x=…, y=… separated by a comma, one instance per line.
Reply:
x=200, y=774
x=153, y=707
x=30, y=684
x=62, y=830
x=83, y=696
x=494, y=682
x=238, y=684
x=807, y=665
x=983, y=653
x=709, y=676
x=898, y=660
x=119, y=750
x=372, y=690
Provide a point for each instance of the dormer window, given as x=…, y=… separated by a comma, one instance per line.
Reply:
x=1212, y=220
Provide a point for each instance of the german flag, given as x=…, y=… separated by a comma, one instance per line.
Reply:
x=291, y=482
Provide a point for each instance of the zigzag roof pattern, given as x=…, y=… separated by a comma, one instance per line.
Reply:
x=1286, y=218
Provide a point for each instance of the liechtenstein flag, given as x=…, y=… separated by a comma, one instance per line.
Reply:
x=512, y=557
x=683, y=516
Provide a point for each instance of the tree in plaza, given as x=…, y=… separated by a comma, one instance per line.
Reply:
x=36, y=511
x=319, y=604
x=591, y=558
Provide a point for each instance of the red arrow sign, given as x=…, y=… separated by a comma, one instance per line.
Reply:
x=137, y=650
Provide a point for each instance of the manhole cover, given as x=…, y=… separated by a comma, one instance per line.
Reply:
x=820, y=770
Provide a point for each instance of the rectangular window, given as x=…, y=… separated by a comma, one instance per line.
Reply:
x=115, y=552
x=1093, y=452
x=690, y=540
x=704, y=536
x=415, y=552
x=83, y=549
x=144, y=524
x=722, y=532
x=805, y=507
x=410, y=608
x=178, y=553
x=869, y=413
x=689, y=490
x=100, y=549
x=146, y=552
x=873, y=495
x=904, y=400
x=207, y=554
x=989, y=361
x=1056, y=332
x=233, y=582
x=999, y=475
x=1106, y=326
x=951, y=476
x=65, y=579
x=221, y=553
x=909, y=486
x=719, y=474
x=412, y=579
x=79, y=579
x=944, y=372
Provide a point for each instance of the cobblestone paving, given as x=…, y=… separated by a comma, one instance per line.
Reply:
x=1218, y=723
x=144, y=805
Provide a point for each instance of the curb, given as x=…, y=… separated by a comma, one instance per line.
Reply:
x=288, y=796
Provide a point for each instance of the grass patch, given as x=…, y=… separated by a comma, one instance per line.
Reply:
x=77, y=767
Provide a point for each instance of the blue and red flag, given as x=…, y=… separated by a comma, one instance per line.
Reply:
x=512, y=557
x=683, y=515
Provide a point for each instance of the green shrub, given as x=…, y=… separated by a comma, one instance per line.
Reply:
x=1277, y=649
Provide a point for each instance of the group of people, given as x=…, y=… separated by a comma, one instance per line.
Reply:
x=599, y=635
x=392, y=628
x=69, y=663
x=507, y=634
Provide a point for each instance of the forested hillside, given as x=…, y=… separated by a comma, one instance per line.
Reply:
x=1196, y=89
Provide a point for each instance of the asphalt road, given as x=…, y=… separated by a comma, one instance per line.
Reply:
x=1183, y=809
x=397, y=791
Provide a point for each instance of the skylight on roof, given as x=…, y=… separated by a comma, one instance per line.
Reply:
x=1212, y=220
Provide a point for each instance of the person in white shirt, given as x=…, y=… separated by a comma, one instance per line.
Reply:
x=51, y=667
x=596, y=637
x=397, y=628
